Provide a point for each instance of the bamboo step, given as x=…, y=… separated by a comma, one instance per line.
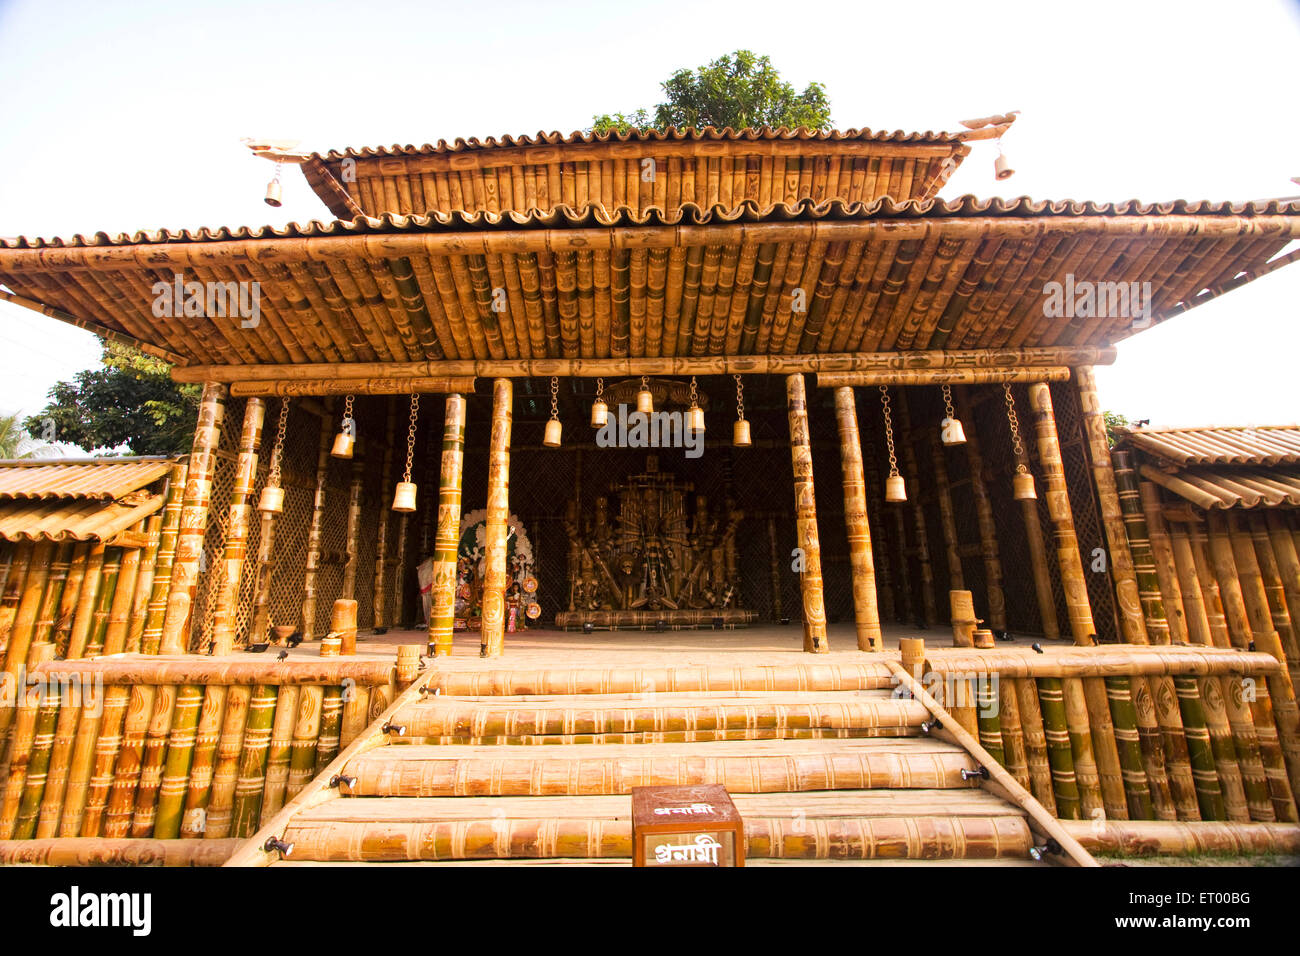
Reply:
x=844, y=824
x=756, y=766
x=603, y=714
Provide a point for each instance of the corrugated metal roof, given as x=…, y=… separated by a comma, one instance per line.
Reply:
x=99, y=478
x=1231, y=486
x=1219, y=444
x=75, y=520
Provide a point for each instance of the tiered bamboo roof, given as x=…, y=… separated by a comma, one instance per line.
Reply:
x=1222, y=466
x=91, y=500
x=583, y=284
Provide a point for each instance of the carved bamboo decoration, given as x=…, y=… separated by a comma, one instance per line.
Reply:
x=1058, y=506
x=930, y=609
x=1163, y=552
x=314, y=531
x=1127, y=597
x=1139, y=539
x=168, y=537
x=175, y=637
x=810, y=580
x=996, y=598
x=442, y=604
x=492, y=638
x=378, y=601
x=866, y=611
x=224, y=617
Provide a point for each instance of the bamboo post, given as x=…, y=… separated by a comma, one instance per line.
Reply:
x=1151, y=742
x=1166, y=572
x=225, y=770
x=399, y=568
x=68, y=602
x=1058, y=506
x=810, y=579
x=442, y=604
x=1288, y=560
x=314, y=532
x=225, y=614
x=116, y=700
x=1013, y=736
x=1217, y=725
x=1225, y=572
x=882, y=553
x=913, y=478
x=1139, y=539
x=1211, y=596
x=260, y=625
x=168, y=537
x=492, y=633
x=331, y=722
x=408, y=665
x=306, y=730
x=51, y=598
x=1086, y=771
x=152, y=759
x=1123, y=575
x=246, y=811
x=1253, y=591
x=1137, y=790
x=343, y=625
x=994, y=595
x=279, y=750
x=110, y=581
x=144, y=584
x=175, y=636
x=1205, y=776
x=1037, y=554
x=1245, y=740
x=947, y=520
x=126, y=773
x=198, y=790
x=179, y=757
x=1038, y=765
x=83, y=758
x=87, y=600
x=351, y=536
x=1104, y=747
x=1275, y=593
x=866, y=611
x=113, y=638
x=774, y=568
x=379, y=598
x=1189, y=586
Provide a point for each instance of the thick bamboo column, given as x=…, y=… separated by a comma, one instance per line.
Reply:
x=226, y=612
x=1144, y=562
x=913, y=481
x=314, y=532
x=378, y=601
x=1275, y=592
x=1225, y=571
x=168, y=537
x=1211, y=596
x=805, y=503
x=994, y=595
x=1058, y=506
x=175, y=637
x=882, y=552
x=442, y=605
x=947, y=520
x=352, y=543
x=1166, y=572
x=1038, y=555
x=492, y=642
x=1189, y=584
x=866, y=612
x=1127, y=597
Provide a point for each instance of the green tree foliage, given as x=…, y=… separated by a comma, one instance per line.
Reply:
x=1114, y=422
x=736, y=90
x=16, y=443
x=130, y=406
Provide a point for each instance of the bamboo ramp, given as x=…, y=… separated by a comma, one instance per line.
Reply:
x=824, y=766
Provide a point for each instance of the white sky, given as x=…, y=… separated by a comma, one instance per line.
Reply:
x=127, y=115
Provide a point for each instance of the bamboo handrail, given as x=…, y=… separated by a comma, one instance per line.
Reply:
x=192, y=669
x=102, y=851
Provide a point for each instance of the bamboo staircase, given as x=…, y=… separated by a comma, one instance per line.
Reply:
x=485, y=768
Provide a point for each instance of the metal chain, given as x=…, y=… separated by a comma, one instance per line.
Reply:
x=347, y=411
x=273, y=479
x=555, y=396
x=740, y=397
x=410, y=435
x=947, y=402
x=1014, y=422
x=889, y=432
x=695, y=394
x=600, y=388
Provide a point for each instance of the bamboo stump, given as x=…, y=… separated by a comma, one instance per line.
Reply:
x=492, y=642
x=866, y=611
x=343, y=625
x=442, y=604
x=810, y=579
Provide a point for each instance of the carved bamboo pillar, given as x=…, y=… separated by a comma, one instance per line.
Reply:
x=156, y=613
x=995, y=596
x=227, y=604
x=498, y=515
x=1139, y=540
x=314, y=532
x=805, y=503
x=1166, y=573
x=378, y=601
x=175, y=637
x=1127, y=596
x=866, y=612
x=442, y=604
x=913, y=478
x=1058, y=506
x=351, y=544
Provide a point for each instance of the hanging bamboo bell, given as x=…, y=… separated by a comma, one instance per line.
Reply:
x=273, y=188
x=740, y=428
x=272, y=500
x=345, y=441
x=551, y=437
x=599, y=410
x=404, y=496
x=950, y=430
x=645, y=400
x=1022, y=486
x=695, y=414
x=1002, y=167
x=895, y=489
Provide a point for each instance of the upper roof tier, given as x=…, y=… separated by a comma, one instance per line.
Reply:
x=707, y=167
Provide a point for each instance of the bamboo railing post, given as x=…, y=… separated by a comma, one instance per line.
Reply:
x=913, y=479
x=379, y=598
x=168, y=537
x=1163, y=552
x=1139, y=539
x=805, y=502
x=1058, y=506
x=994, y=595
x=1123, y=575
x=866, y=610
x=492, y=640
x=175, y=636
x=225, y=614
x=442, y=603
x=314, y=531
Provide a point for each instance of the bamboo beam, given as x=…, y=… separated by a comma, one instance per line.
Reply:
x=354, y=386
x=225, y=614
x=866, y=614
x=205, y=671
x=994, y=595
x=492, y=639
x=805, y=503
x=175, y=636
x=1159, y=838
x=1058, y=506
x=442, y=605
x=98, y=851
x=877, y=362
x=1123, y=576
x=314, y=531
x=945, y=376
x=168, y=537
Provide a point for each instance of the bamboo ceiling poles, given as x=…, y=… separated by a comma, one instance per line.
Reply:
x=194, y=520
x=314, y=531
x=866, y=610
x=810, y=578
x=1033, y=524
x=227, y=605
x=1123, y=576
x=498, y=514
x=996, y=598
x=1058, y=505
x=447, y=539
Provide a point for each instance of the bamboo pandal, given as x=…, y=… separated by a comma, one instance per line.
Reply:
x=936, y=359
x=226, y=609
x=98, y=851
x=866, y=609
x=193, y=521
x=1127, y=597
x=809, y=541
x=1163, y=838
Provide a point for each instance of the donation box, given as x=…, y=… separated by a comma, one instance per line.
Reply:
x=686, y=826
